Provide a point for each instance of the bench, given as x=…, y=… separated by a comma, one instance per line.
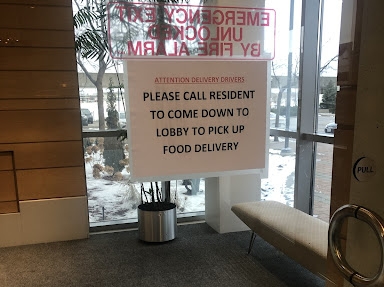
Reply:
x=300, y=236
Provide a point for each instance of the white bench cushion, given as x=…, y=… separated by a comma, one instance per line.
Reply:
x=297, y=234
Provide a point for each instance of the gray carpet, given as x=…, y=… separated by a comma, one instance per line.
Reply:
x=197, y=257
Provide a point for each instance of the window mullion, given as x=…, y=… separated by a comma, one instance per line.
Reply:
x=308, y=97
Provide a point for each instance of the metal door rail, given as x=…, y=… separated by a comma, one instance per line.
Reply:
x=375, y=222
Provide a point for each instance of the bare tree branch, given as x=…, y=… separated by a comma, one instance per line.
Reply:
x=326, y=65
x=82, y=66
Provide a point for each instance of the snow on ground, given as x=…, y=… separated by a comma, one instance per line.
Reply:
x=279, y=185
x=110, y=200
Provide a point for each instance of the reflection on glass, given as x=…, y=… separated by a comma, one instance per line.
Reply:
x=323, y=180
x=280, y=184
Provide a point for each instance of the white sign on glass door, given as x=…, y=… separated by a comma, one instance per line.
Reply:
x=196, y=117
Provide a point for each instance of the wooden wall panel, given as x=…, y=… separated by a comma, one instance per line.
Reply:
x=50, y=183
x=9, y=207
x=39, y=2
x=38, y=84
x=8, y=188
x=46, y=154
x=38, y=104
x=345, y=75
x=346, y=106
x=6, y=162
x=36, y=38
x=36, y=17
x=40, y=125
x=341, y=171
x=26, y=59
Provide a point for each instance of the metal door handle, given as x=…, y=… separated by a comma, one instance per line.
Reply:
x=334, y=242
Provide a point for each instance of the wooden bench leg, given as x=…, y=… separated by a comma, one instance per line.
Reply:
x=253, y=236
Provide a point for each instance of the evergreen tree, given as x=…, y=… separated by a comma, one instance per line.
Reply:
x=113, y=148
x=329, y=97
x=113, y=115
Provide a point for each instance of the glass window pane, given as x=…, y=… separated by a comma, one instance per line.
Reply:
x=113, y=104
x=280, y=184
x=190, y=196
x=113, y=198
x=328, y=67
x=284, y=79
x=285, y=65
x=326, y=123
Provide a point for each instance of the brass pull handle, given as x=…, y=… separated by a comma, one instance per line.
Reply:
x=376, y=223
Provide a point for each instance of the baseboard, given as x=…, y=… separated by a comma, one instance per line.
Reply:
x=47, y=220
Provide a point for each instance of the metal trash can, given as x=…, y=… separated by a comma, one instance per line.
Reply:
x=157, y=225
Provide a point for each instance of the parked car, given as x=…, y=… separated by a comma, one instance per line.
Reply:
x=88, y=114
x=330, y=128
x=84, y=119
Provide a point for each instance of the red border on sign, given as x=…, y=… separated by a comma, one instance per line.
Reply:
x=192, y=57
